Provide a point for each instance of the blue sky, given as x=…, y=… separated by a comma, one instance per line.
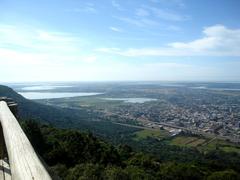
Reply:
x=111, y=40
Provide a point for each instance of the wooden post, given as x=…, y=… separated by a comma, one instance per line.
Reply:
x=24, y=162
x=13, y=106
x=2, y=144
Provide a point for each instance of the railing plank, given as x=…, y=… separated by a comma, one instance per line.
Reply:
x=24, y=163
x=6, y=170
x=1, y=170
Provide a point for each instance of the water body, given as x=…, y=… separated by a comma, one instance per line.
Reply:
x=131, y=100
x=216, y=89
x=199, y=87
x=173, y=85
x=53, y=95
x=42, y=87
x=224, y=89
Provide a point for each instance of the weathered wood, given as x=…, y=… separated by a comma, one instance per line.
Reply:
x=1, y=170
x=2, y=145
x=11, y=104
x=24, y=163
x=5, y=173
x=6, y=170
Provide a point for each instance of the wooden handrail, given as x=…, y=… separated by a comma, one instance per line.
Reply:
x=24, y=162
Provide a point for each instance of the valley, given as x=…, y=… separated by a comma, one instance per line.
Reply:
x=156, y=107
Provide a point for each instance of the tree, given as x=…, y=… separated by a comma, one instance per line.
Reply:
x=34, y=134
x=115, y=173
x=224, y=175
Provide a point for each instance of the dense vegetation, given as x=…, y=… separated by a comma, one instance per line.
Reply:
x=75, y=155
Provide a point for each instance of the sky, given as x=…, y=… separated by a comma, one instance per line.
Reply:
x=119, y=40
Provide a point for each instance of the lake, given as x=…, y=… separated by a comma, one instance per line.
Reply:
x=215, y=89
x=43, y=87
x=53, y=95
x=131, y=100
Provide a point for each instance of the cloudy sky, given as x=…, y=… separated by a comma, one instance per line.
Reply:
x=111, y=40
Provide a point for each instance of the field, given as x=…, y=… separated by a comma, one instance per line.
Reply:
x=144, y=134
x=187, y=141
x=201, y=143
x=222, y=145
x=204, y=144
x=96, y=102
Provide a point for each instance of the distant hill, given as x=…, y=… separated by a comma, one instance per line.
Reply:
x=29, y=109
x=66, y=118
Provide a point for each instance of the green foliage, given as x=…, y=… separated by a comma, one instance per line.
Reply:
x=76, y=155
x=34, y=135
x=85, y=171
x=136, y=172
x=116, y=173
x=147, y=162
x=59, y=169
x=174, y=171
x=224, y=175
x=125, y=152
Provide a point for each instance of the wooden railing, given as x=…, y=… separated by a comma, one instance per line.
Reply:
x=23, y=160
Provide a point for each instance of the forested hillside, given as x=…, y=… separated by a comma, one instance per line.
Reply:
x=64, y=117
x=49, y=114
x=75, y=155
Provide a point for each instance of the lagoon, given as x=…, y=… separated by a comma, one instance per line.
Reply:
x=131, y=100
x=42, y=87
x=53, y=95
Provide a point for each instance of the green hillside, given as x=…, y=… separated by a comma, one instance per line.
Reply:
x=52, y=115
x=75, y=155
x=66, y=118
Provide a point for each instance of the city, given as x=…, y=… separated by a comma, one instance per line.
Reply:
x=211, y=112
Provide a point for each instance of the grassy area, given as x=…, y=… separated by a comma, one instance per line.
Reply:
x=187, y=141
x=203, y=144
x=96, y=102
x=222, y=145
x=231, y=149
x=143, y=134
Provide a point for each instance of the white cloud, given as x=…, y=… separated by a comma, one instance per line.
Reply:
x=25, y=38
x=147, y=16
x=115, y=29
x=33, y=48
x=167, y=15
x=178, y=3
x=15, y=58
x=140, y=22
x=108, y=50
x=90, y=59
x=87, y=8
x=218, y=40
x=117, y=5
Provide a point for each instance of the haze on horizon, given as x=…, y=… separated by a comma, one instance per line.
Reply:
x=113, y=40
